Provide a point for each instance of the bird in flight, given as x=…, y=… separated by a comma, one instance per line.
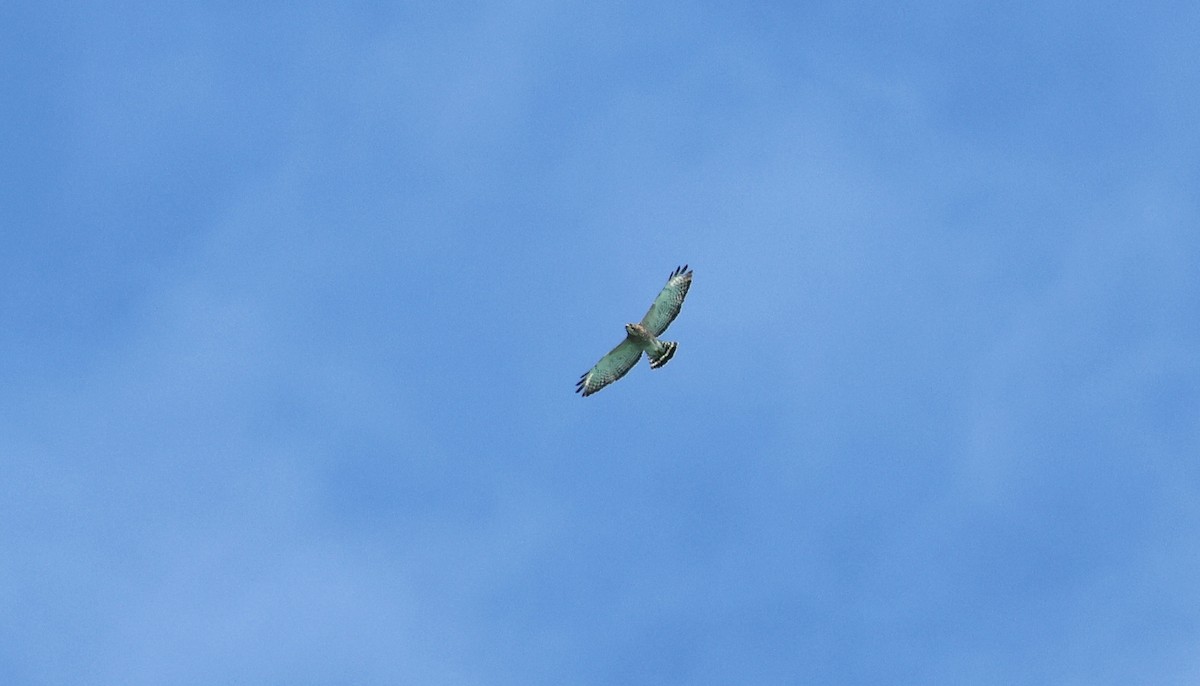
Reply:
x=642, y=337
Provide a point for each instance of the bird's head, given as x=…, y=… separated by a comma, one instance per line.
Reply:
x=635, y=330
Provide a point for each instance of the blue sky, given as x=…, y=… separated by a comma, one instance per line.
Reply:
x=293, y=300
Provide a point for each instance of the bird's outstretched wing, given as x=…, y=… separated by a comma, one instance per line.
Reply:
x=611, y=367
x=666, y=306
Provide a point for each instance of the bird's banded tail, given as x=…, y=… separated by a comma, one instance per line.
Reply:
x=662, y=353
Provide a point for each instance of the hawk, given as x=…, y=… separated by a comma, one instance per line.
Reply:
x=642, y=337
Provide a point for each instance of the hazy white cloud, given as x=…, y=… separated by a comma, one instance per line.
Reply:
x=294, y=401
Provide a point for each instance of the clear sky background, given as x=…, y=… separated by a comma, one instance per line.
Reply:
x=293, y=298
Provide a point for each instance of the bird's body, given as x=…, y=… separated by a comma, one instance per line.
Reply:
x=642, y=337
x=658, y=351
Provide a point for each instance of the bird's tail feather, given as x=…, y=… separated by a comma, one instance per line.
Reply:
x=661, y=353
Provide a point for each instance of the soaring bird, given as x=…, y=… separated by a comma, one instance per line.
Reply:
x=642, y=337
